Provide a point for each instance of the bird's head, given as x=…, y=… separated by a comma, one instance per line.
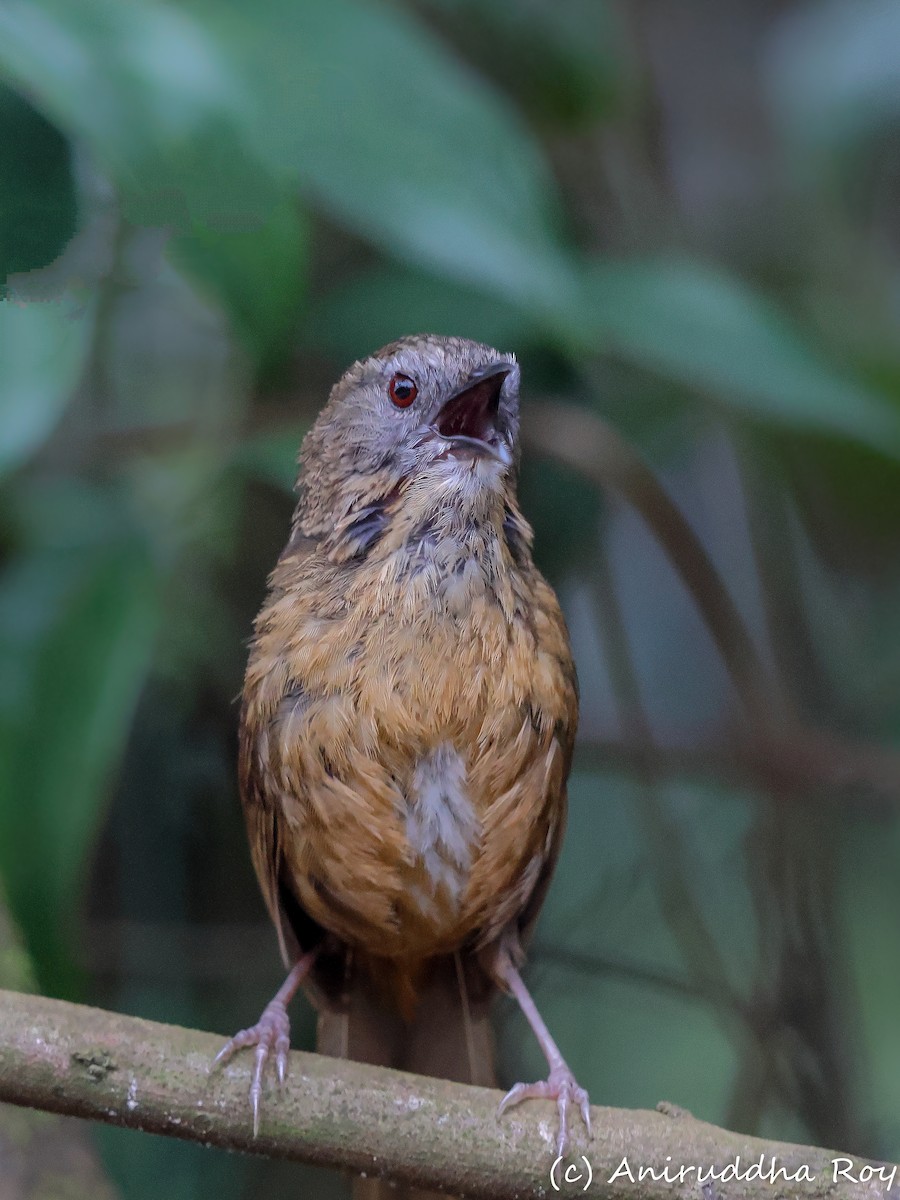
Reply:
x=425, y=412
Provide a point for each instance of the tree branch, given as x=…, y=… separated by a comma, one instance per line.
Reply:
x=72, y=1059
x=41, y=1155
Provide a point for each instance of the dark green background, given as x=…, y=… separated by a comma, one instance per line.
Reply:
x=683, y=218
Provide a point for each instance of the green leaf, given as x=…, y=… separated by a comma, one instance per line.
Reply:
x=834, y=72
x=37, y=194
x=395, y=138
x=43, y=346
x=704, y=329
x=208, y=115
x=374, y=307
x=563, y=61
x=257, y=274
x=73, y=666
x=151, y=93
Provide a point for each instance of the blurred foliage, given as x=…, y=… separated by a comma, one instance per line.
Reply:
x=683, y=219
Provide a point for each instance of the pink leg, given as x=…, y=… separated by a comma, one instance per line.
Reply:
x=271, y=1032
x=560, y=1085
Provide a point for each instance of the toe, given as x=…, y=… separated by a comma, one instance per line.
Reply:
x=512, y=1097
x=282, y=1049
x=562, y=1138
x=584, y=1104
x=223, y=1056
x=561, y=1087
x=244, y=1038
x=256, y=1086
x=271, y=1037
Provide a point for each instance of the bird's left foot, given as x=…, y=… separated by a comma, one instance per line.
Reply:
x=561, y=1086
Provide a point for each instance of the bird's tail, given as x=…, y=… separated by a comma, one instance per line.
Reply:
x=449, y=1037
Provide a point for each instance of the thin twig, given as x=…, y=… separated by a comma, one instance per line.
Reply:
x=673, y=877
x=798, y=758
x=591, y=446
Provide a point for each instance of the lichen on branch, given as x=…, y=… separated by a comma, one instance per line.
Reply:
x=107, y=1067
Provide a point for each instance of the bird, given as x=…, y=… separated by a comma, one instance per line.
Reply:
x=407, y=724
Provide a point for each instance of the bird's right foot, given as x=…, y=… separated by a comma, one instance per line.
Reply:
x=561, y=1086
x=270, y=1035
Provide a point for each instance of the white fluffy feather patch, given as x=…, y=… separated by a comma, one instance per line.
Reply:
x=441, y=823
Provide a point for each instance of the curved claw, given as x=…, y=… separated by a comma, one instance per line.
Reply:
x=512, y=1097
x=270, y=1033
x=561, y=1086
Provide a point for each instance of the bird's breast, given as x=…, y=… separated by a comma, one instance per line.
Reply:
x=416, y=746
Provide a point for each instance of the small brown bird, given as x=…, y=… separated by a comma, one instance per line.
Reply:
x=408, y=716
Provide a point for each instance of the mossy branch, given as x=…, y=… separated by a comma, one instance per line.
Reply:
x=41, y=1155
x=68, y=1058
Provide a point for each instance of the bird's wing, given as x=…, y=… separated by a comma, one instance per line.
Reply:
x=261, y=819
x=261, y=813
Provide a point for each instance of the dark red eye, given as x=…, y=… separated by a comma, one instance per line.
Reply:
x=402, y=390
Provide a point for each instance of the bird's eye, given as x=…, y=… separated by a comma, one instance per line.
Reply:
x=402, y=390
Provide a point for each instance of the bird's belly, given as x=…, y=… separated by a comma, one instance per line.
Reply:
x=444, y=834
x=423, y=787
x=399, y=887
x=408, y=872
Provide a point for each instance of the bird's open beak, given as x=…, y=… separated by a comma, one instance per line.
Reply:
x=468, y=420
